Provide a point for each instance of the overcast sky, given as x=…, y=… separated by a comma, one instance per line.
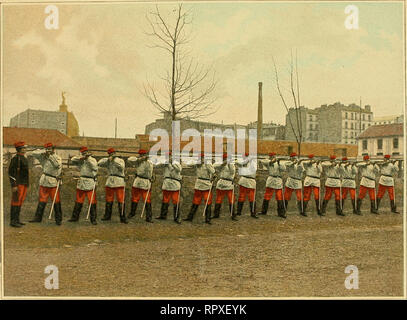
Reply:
x=101, y=57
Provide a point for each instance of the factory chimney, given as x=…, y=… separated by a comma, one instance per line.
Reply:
x=260, y=113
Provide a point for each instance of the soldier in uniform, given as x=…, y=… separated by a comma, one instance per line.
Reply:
x=142, y=183
x=294, y=181
x=274, y=183
x=225, y=186
x=171, y=188
x=312, y=183
x=205, y=172
x=19, y=175
x=247, y=185
x=51, y=165
x=86, y=186
x=386, y=182
x=332, y=184
x=115, y=184
x=368, y=172
x=349, y=172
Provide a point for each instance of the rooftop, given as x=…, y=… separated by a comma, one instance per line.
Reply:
x=382, y=130
x=37, y=137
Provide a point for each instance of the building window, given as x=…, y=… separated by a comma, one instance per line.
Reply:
x=351, y=116
x=351, y=125
x=380, y=144
x=310, y=126
x=363, y=126
x=346, y=125
x=364, y=144
x=369, y=117
x=395, y=143
x=363, y=117
x=346, y=115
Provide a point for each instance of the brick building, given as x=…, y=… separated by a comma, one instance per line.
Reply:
x=62, y=120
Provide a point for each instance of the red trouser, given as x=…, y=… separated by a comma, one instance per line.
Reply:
x=199, y=194
x=243, y=191
x=46, y=192
x=352, y=192
x=308, y=190
x=363, y=190
x=335, y=190
x=136, y=193
x=382, y=191
x=173, y=195
x=220, y=194
x=289, y=191
x=269, y=194
x=18, y=197
x=118, y=191
x=81, y=194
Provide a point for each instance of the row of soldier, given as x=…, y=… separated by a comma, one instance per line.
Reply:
x=340, y=180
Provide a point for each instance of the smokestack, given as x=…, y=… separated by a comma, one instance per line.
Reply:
x=260, y=113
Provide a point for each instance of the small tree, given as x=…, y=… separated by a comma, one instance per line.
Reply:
x=188, y=86
x=295, y=93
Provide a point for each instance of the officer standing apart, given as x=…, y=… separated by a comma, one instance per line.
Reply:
x=368, y=172
x=274, y=184
x=51, y=165
x=202, y=190
x=225, y=186
x=19, y=175
x=312, y=183
x=386, y=182
x=86, y=185
x=141, y=184
x=171, y=188
x=115, y=184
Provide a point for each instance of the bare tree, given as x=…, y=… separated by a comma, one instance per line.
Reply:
x=295, y=94
x=188, y=86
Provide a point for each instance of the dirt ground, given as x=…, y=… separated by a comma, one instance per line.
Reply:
x=268, y=257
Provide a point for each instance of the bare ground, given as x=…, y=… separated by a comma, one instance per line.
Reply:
x=268, y=257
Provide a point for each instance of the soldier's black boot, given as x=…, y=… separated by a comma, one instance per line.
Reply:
x=286, y=205
x=191, y=213
x=217, y=210
x=265, y=207
x=40, y=212
x=239, y=208
x=338, y=208
x=358, y=206
x=58, y=213
x=164, y=211
x=317, y=204
x=393, y=206
x=324, y=205
x=354, y=206
x=253, y=210
x=176, y=214
x=232, y=210
x=76, y=211
x=280, y=209
x=373, y=207
x=108, y=211
x=149, y=213
x=304, y=208
x=122, y=214
x=343, y=204
x=13, y=217
x=133, y=209
x=18, y=209
x=208, y=214
x=92, y=214
x=378, y=203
